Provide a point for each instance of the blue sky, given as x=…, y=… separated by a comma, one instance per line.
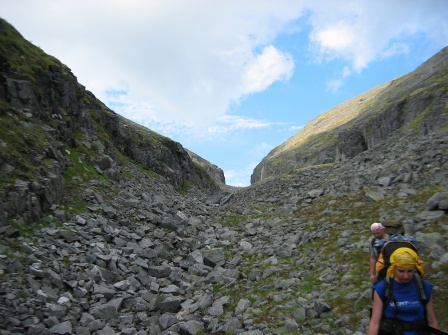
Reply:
x=232, y=79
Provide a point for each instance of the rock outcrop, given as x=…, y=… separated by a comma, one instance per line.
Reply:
x=54, y=119
x=414, y=103
x=213, y=170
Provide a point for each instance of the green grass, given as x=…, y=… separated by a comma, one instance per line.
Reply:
x=81, y=171
x=186, y=186
x=25, y=145
x=307, y=286
x=14, y=248
x=23, y=294
x=414, y=124
x=232, y=220
x=21, y=55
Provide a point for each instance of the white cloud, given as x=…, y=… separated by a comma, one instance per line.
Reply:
x=338, y=37
x=189, y=62
x=268, y=67
x=261, y=150
x=360, y=32
x=335, y=83
x=296, y=128
x=240, y=177
x=346, y=71
x=143, y=114
x=232, y=122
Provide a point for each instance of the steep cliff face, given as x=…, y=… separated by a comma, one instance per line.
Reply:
x=55, y=133
x=213, y=170
x=416, y=102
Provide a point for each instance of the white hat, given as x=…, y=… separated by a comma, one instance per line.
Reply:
x=377, y=226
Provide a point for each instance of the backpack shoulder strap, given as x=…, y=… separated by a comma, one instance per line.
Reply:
x=419, y=282
x=387, y=292
x=418, y=279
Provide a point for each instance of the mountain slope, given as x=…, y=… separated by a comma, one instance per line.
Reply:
x=415, y=102
x=55, y=133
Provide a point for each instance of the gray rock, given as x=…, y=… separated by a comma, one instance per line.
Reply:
x=105, y=312
x=373, y=196
x=242, y=306
x=384, y=181
x=191, y=327
x=213, y=257
x=232, y=325
x=107, y=330
x=63, y=328
x=159, y=271
x=315, y=193
x=321, y=307
x=442, y=261
x=166, y=320
x=430, y=215
x=438, y=201
x=291, y=325
x=284, y=251
x=170, y=304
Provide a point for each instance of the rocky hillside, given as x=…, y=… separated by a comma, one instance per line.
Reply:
x=109, y=228
x=415, y=102
x=213, y=170
x=56, y=134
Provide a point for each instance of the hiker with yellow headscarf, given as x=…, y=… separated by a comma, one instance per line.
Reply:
x=404, y=258
x=404, y=313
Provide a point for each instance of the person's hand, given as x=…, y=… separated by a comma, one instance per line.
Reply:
x=372, y=279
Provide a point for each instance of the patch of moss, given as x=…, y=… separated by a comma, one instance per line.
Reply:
x=14, y=247
x=23, y=146
x=232, y=220
x=186, y=185
x=100, y=130
x=21, y=55
x=416, y=122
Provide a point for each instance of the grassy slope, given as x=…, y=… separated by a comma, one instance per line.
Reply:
x=429, y=77
x=352, y=279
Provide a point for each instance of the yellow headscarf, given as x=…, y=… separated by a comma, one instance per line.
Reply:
x=406, y=258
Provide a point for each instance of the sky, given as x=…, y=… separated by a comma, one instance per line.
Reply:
x=231, y=79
